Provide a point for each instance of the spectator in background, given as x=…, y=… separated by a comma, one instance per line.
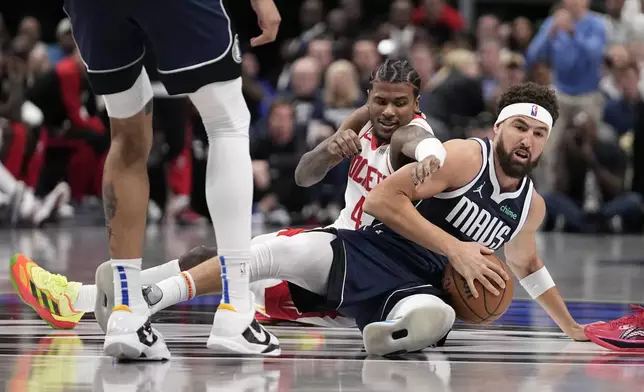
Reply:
x=353, y=11
x=440, y=19
x=275, y=156
x=487, y=29
x=521, y=35
x=621, y=113
x=573, y=42
x=257, y=93
x=398, y=31
x=618, y=30
x=489, y=54
x=20, y=206
x=616, y=57
x=312, y=25
x=590, y=194
x=482, y=126
x=305, y=89
x=322, y=50
x=512, y=73
x=311, y=18
x=77, y=136
x=341, y=96
x=422, y=59
x=459, y=77
x=636, y=50
x=38, y=64
x=13, y=81
x=514, y=66
x=337, y=23
x=541, y=74
x=366, y=58
x=65, y=45
x=30, y=28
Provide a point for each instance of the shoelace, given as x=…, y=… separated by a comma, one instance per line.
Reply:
x=55, y=283
x=637, y=310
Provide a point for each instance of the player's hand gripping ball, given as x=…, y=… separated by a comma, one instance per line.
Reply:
x=487, y=307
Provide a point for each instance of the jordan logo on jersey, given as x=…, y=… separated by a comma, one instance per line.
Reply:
x=478, y=224
x=479, y=190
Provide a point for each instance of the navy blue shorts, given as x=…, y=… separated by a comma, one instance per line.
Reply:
x=371, y=272
x=194, y=42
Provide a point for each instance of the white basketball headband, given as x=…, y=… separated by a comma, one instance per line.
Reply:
x=526, y=109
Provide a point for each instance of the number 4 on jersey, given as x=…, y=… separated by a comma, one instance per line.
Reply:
x=356, y=214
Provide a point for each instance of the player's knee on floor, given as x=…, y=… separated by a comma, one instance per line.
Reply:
x=413, y=324
x=223, y=109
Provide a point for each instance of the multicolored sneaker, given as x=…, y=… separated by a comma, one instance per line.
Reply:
x=624, y=334
x=50, y=295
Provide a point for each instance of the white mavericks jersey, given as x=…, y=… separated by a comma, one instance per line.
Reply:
x=367, y=170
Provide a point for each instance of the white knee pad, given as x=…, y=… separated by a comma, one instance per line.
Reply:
x=223, y=109
x=415, y=323
x=131, y=101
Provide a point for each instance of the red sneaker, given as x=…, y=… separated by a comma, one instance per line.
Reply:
x=625, y=334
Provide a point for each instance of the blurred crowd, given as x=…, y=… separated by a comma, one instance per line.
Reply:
x=55, y=132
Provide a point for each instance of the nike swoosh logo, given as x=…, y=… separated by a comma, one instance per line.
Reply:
x=256, y=334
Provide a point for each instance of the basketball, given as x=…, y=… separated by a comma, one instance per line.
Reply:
x=484, y=309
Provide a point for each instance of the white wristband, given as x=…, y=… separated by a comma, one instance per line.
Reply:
x=430, y=146
x=537, y=282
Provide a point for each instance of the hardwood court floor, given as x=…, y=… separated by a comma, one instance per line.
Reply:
x=599, y=276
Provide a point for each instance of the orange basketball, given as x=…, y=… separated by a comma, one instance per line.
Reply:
x=484, y=309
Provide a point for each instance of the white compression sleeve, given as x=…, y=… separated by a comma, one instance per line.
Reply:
x=304, y=259
x=229, y=181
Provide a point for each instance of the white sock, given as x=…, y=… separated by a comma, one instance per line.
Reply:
x=156, y=274
x=7, y=180
x=174, y=290
x=127, y=284
x=229, y=183
x=86, y=299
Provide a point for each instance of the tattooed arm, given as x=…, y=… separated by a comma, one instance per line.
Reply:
x=316, y=163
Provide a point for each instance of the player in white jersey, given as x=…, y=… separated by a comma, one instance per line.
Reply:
x=392, y=134
x=387, y=140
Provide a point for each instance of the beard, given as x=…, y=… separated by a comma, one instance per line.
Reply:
x=510, y=166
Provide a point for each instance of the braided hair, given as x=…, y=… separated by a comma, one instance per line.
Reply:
x=396, y=71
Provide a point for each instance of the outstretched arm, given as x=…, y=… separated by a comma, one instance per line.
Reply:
x=522, y=258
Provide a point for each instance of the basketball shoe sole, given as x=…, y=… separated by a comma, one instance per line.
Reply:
x=415, y=323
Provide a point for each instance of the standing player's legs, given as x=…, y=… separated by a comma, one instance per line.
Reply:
x=112, y=49
x=305, y=260
x=198, y=53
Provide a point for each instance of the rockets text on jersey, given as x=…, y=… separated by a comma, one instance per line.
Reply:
x=366, y=171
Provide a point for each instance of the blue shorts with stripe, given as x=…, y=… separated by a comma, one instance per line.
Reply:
x=193, y=41
x=372, y=270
